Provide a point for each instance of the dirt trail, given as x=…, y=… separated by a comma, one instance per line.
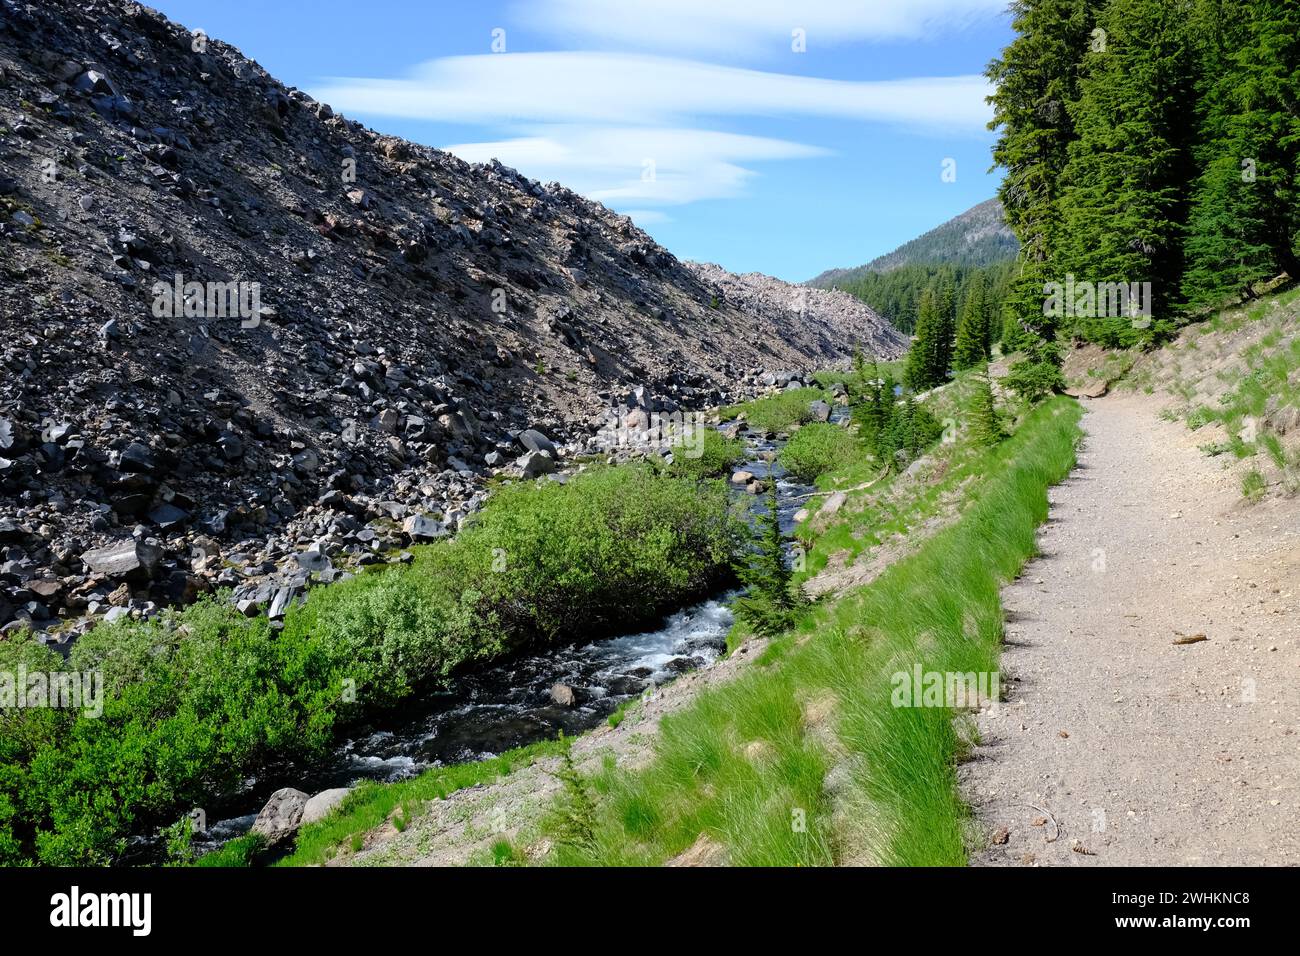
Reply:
x=1133, y=748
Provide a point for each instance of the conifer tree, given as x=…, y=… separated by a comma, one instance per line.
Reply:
x=1246, y=201
x=1124, y=189
x=986, y=428
x=971, y=346
x=945, y=303
x=922, y=370
x=769, y=602
x=1037, y=83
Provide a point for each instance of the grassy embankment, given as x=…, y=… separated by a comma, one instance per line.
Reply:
x=200, y=698
x=804, y=760
x=775, y=414
x=1235, y=376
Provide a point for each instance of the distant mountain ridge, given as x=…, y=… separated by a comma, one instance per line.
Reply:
x=978, y=237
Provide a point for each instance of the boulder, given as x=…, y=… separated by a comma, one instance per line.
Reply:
x=168, y=516
x=423, y=528
x=284, y=596
x=742, y=477
x=1092, y=389
x=918, y=466
x=563, y=695
x=126, y=559
x=821, y=412
x=281, y=816
x=137, y=459
x=320, y=806
x=834, y=503
x=537, y=463
x=314, y=561
x=533, y=440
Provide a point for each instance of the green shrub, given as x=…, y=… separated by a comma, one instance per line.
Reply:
x=817, y=448
x=777, y=413
x=200, y=698
x=714, y=457
x=1253, y=485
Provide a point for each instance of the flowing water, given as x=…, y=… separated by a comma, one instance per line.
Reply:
x=509, y=704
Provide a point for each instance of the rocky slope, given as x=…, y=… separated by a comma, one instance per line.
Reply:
x=839, y=315
x=244, y=339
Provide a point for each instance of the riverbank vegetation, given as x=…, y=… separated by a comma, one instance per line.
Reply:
x=198, y=699
x=778, y=413
x=806, y=760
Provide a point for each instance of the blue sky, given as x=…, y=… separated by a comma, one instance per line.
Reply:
x=699, y=118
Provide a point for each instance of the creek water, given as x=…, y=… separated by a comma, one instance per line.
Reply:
x=509, y=704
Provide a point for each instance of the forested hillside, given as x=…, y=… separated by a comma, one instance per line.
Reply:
x=1151, y=150
x=978, y=237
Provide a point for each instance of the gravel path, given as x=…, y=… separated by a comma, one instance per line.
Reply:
x=1117, y=746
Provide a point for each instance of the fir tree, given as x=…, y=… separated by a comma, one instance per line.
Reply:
x=945, y=303
x=1246, y=201
x=769, y=601
x=985, y=427
x=972, y=343
x=1037, y=84
x=1124, y=190
x=926, y=365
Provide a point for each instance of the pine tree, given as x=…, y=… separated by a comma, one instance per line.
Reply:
x=985, y=427
x=945, y=303
x=858, y=384
x=1124, y=189
x=1037, y=83
x=876, y=408
x=972, y=343
x=769, y=602
x=925, y=364
x=1246, y=202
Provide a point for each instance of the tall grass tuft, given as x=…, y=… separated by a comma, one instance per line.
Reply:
x=766, y=768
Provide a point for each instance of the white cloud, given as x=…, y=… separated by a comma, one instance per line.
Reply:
x=647, y=165
x=591, y=120
x=748, y=26
x=566, y=87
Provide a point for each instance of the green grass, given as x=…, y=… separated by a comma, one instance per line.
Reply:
x=370, y=805
x=746, y=764
x=621, y=712
x=776, y=413
x=240, y=852
x=1253, y=485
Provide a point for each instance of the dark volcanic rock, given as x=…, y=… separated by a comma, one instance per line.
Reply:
x=126, y=559
x=206, y=330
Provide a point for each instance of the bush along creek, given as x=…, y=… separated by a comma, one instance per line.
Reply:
x=562, y=601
